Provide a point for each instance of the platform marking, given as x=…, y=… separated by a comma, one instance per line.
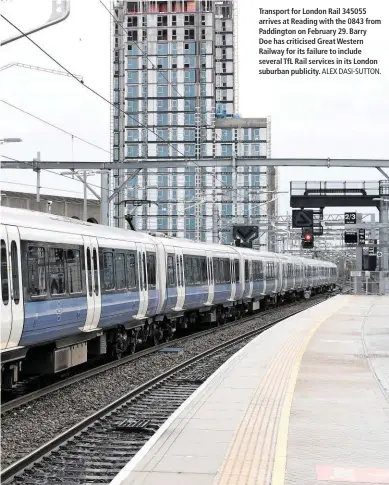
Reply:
x=279, y=469
x=352, y=475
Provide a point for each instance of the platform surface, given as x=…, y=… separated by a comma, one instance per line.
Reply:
x=306, y=402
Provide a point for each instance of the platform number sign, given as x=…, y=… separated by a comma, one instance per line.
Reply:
x=350, y=217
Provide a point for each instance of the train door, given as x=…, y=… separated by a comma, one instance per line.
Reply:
x=211, y=280
x=142, y=278
x=92, y=278
x=12, y=307
x=180, y=278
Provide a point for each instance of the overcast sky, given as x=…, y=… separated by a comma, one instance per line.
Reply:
x=312, y=117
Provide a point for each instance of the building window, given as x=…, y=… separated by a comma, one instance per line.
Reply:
x=189, y=91
x=162, y=119
x=190, y=223
x=174, y=48
x=190, y=62
x=174, y=119
x=190, y=119
x=162, y=150
x=190, y=150
x=116, y=139
x=133, y=91
x=227, y=135
x=174, y=34
x=163, y=62
x=189, y=34
x=174, y=20
x=132, y=63
x=246, y=150
x=190, y=76
x=162, y=34
x=189, y=20
x=132, y=36
x=162, y=105
x=132, y=21
x=132, y=135
x=163, y=91
x=162, y=134
x=163, y=195
x=132, y=77
x=189, y=134
x=226, y=209
x=162, y=223
x=132, y=150
x=163, y=77
x=133, y=120
x=190, y=105
x=133, y=106
x=162, y=21
x=162, y=49
x=256, y=149
x=190, y=48
x=226, y=150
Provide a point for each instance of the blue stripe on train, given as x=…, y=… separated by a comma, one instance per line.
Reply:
x=118, y=308
x=49, y=320
x=195, y=296
x=222, y=293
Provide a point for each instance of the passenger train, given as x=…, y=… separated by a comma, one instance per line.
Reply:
x=71, y=290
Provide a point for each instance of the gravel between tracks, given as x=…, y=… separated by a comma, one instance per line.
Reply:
x=29, y=427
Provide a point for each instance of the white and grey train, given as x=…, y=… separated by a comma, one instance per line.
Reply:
x=71, y=290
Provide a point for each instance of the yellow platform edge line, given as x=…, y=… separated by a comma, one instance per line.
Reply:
x=279, y=468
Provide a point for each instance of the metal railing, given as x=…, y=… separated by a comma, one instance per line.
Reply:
x=371, y=283
x=336, y=188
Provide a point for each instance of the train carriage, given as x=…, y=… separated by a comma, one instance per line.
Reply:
x=72, y=290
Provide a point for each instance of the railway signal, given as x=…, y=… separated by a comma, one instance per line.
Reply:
x=307, y=239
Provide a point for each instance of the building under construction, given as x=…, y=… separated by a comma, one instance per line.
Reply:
x=175, y=91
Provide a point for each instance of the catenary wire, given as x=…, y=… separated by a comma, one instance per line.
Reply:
x=55, y=126
x=102, y=97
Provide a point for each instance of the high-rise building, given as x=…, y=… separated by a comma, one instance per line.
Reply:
x=175, y=90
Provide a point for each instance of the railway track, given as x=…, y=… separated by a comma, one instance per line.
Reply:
x=97, y=448
x=13, y=403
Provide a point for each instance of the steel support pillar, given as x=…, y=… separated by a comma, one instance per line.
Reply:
x=104, y=205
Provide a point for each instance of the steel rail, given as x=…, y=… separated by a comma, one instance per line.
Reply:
x=32, y=458
x=44, y=391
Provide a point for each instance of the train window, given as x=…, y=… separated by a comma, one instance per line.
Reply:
x=120, y=271
x=151, y=270
x=36, y=271
x=57, y=271
x=171, y=273
x=89, y=268
x=182, y=270
x=107, y=272
x=4, y=274
x=196, y=270
x=237, y=271
x=73, y=270
x=15, y=272
x=96, y=276
x=188, y=270
x=203, y=270
x=246, y=271
x=131, y=271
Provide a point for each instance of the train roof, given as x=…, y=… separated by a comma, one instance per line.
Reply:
x=51, y=222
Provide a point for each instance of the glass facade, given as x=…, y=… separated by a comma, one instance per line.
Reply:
x=179, y=99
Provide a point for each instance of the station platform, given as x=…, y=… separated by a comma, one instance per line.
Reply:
x=306, y=402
